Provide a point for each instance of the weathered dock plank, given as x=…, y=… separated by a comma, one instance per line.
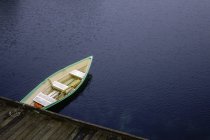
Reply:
x=19, y=121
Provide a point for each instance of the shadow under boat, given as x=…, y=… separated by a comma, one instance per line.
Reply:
x=58, y=107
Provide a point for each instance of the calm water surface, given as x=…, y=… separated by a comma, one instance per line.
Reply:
x=151, y=69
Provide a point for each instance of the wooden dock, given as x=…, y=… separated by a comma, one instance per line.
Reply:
x=22, y=122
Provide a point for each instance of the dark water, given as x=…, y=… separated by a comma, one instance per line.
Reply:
x=151, y=69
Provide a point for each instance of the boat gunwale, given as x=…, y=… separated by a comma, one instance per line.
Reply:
x=69, y=94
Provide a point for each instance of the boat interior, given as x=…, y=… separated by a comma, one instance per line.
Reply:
x=59, y=85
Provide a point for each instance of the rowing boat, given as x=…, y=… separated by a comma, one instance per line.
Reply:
x=59, y=86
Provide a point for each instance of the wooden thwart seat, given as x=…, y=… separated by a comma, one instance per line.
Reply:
x=72, y=83
x=77, y=73
x=44, y=99
x=59, y=86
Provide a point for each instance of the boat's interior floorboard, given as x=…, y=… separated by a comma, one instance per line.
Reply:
x=19, y=122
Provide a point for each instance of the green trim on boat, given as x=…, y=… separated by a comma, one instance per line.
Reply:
x=70, y=93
